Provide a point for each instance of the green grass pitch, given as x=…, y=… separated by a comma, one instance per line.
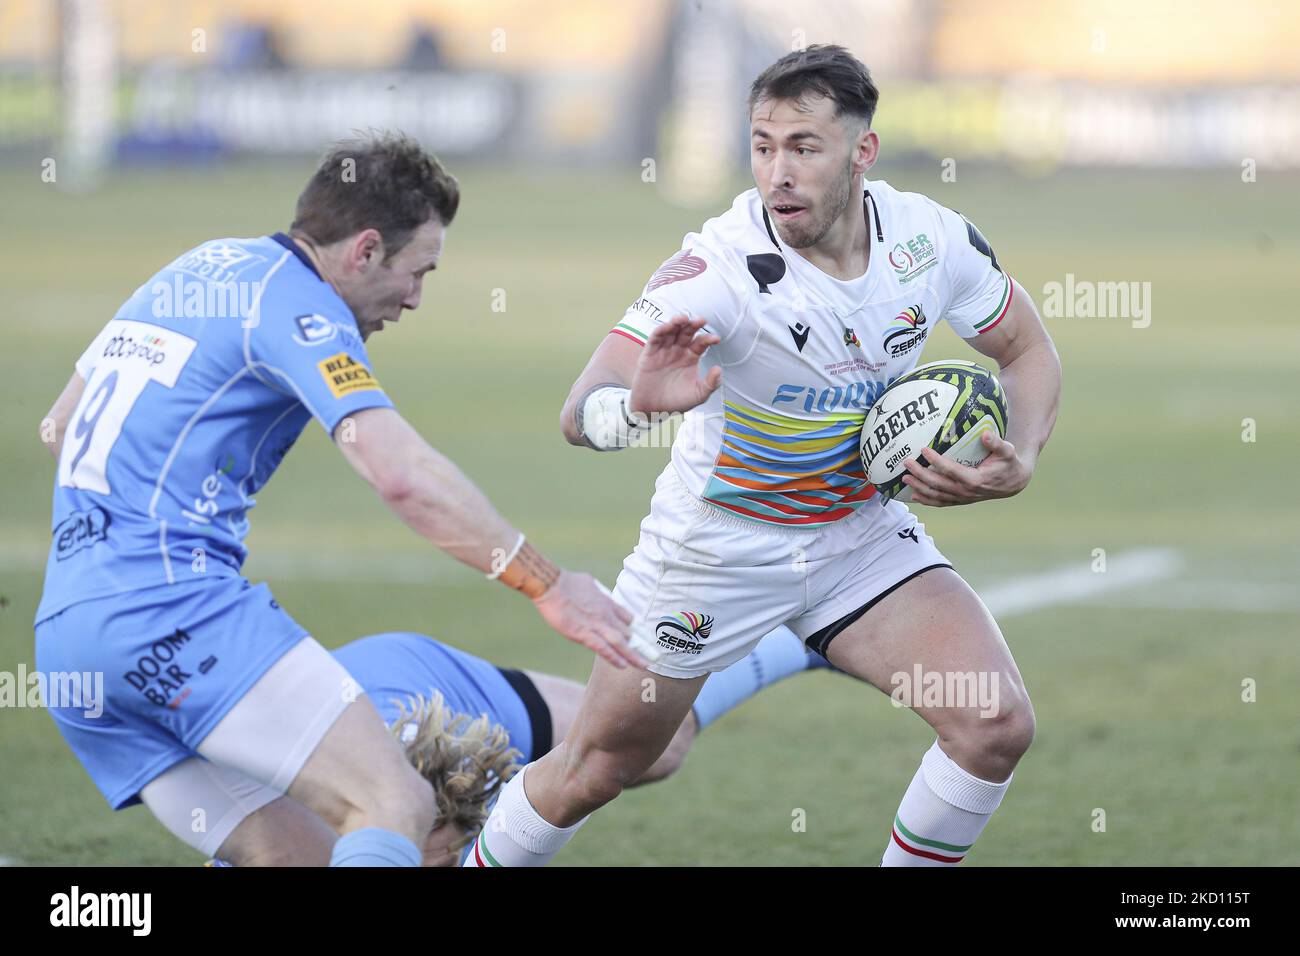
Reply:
x=1138, y=690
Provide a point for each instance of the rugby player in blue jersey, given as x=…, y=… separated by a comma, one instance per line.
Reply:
x=465, y=724
x=178, y=413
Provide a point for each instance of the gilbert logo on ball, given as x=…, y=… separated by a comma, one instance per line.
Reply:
x=945, y=406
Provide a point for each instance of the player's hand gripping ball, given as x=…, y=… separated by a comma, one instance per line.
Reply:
x=947, y=407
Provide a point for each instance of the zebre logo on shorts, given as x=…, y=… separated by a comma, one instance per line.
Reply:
x=684, y=632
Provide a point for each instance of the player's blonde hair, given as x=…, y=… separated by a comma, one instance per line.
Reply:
x=466, y=759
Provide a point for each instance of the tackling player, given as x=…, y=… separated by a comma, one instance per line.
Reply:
x=178, y=413
x=775, y=328
x=464, y=724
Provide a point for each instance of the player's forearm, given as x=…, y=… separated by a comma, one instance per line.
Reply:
x=435, y=499
x=571, y=418
x=593, y=377
x=1032, y=382
x=613, y=363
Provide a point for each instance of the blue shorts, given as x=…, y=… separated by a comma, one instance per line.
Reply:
x=174, y=661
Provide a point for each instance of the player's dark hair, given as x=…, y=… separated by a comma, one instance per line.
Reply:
x=820, y=70
x=384, y=182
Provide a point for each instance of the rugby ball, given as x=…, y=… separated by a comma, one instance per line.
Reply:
x=946, y=406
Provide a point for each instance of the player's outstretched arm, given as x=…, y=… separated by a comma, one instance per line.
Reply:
x=612, y=364
x=1030, y=372
x=626, y=382
x=61, y=413
x=436, y=500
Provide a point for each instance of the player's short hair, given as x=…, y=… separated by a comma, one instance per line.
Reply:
x=820, y=70
x=384, y=181
x=466, y=760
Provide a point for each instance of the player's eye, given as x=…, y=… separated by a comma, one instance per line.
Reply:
x=803, y=151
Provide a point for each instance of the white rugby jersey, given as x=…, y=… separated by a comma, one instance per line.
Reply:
x=805, y=355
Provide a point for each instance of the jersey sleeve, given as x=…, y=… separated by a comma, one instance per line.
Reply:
x=979, y=291
x=694, y=283
x=313, y=350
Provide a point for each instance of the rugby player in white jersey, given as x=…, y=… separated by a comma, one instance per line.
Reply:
x=775, y=329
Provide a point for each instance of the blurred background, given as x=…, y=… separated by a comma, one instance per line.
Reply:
x=1094, y=83
x=1146, y=578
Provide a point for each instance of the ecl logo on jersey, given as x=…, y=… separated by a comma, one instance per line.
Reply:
x=80, y=530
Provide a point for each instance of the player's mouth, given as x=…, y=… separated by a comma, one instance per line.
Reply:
x=785, y=211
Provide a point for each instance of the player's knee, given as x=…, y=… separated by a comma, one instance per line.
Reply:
x=1003, y=736
x=990, y=742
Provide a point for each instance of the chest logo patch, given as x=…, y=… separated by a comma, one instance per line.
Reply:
x=906, y=332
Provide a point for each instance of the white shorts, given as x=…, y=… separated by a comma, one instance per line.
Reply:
x=255, y=751
x=709, y=585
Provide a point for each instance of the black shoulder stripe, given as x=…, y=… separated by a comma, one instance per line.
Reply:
x=979, y=242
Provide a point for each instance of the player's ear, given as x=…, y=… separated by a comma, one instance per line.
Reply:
x=866, y=148
x=367, y=249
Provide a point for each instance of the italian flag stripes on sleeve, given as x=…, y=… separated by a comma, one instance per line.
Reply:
x=629, y=332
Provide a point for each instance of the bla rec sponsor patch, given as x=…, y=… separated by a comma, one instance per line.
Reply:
x=345, y=375
x=80, y=530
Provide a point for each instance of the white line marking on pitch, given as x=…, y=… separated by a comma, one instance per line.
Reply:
x=1072, y=584
x=1078, y=582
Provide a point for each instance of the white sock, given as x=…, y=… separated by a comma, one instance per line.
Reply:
x=942, y=813
x=515, y=834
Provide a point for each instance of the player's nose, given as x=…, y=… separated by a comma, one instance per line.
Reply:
x=412, y=300
x=779, y=173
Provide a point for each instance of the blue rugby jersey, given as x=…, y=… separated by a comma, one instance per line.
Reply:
x=195, y=391
x=393, y=667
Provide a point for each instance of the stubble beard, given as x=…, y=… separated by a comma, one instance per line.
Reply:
x=836, y=202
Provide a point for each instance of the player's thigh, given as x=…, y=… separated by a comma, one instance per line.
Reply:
x=358, y=770
x=932, y=645
x=301, y=729
x=202, y=803
x=626, y=718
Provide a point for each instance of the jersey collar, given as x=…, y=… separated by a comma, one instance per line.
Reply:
x=799, y=265
x=867, y=215
x=287, y=241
